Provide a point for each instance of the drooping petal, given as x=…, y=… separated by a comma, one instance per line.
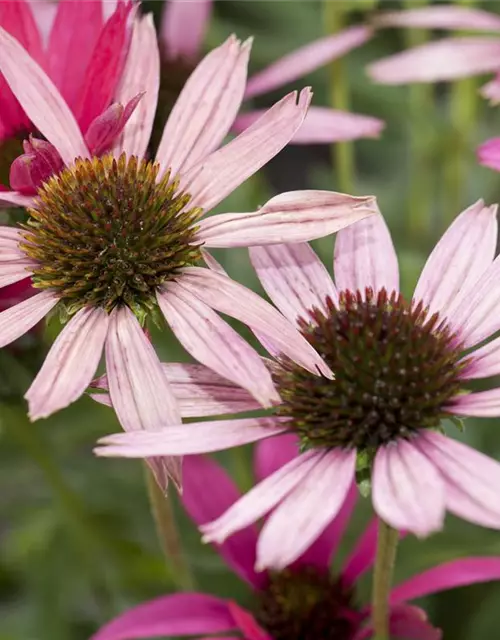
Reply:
x=190, y=439
x=206, y=107
x=294, y=216
x=310, y=506
x=9, y=245
x=40, y=99
x=481, y=363
x=482, y=404
x=214, y=343
x=272, y=454
x=471, y=479
x=183, y=27
x=141, y=74
x=214, y=178
x=362, y=556
x=261, y=498
x=227, y=296
x=440, y=17
x=460, y=257
x=179, y=614
x=14, y=271
x=70, y=363
x=408, y=492
x=302, y=61
x=208, y=492
x=456, y=573
x=17, y=320
x=447, y=59
x=365, y=257
x=9, y=198
x=488, y=154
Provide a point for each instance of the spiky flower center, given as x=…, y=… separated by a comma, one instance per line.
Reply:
x=307, y=604
x=107, y=232
x=395, y=368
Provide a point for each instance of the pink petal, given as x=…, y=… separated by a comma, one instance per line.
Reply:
x=72, y=39
x=294, y=216
x=491, y=91
x=9, y=244
x=14, y=271
x=206, y=107
x=482, y=404
x=362, y=556
x=215, y=177
x=365, y=257
x=201, y=472
x=440, y=17
x=471, y=479
x=141, y=74
x=18, y=320
x=483, y=363
x=226, y=296
x=211, y=341
x=70, y=363
x=183, y=27
x=179, y=614
x=272, y=454
x=323, y=125
x=457, y=573
x=488, y=154
x=294, y=278
x=17, y=199
x=261, y=498
x=40, y=99
x=411, y=623
x=460, y=257
x=310, y=506
x=189, y=439
x=302, y=61
x=247, y=623
x=408, y=492
x=447, y=59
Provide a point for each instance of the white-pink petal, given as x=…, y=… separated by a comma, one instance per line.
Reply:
x=214, y=343
x=440, y=17
x=9, y=245
x=302, y=61
x=206, y=107
x=481, y=404
x=40, y=99
x=294, y=278
x=14, y=271
x=365, y=257
x=460, y=257
x=310, y=506
x=70, y=364
x=447, y=59
x=183, y=27
x=293, y=216
x=9, y=198
x=408, y=491
x=17, y=320
x=214, y=178
x=482, y=363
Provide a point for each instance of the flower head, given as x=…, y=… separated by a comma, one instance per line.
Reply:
x=400, y=367
x=305, y=601
x=114, y=239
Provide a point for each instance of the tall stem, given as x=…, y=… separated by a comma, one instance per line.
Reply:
x=382, y=578
x=342, y=152
x=168, y=534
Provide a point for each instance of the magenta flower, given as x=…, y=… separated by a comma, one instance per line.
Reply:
x=114, y=239
x=183, y=27
x=447, y=58
x=399, y=367
x=302, y=602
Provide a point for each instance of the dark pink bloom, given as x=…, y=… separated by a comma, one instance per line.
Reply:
x=305, y=601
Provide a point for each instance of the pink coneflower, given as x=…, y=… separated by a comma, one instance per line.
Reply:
x=305, y=601
x=113, y=239
x=399, y=369
x=447, y=58
x=184, y=23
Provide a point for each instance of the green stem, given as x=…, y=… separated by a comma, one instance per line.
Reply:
x=168, y=534
x=342, y=152
x=387, y=543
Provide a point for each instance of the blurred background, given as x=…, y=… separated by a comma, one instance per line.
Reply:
x=78, y=544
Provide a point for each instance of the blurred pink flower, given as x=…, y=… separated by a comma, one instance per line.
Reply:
x=302, y=602
x=488, y=154
x=400, y=367
x=445, y=59
x=183, y=27
x=106, y=242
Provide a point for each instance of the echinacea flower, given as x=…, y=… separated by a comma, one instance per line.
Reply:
x=445, y=59
x=184, y=23
x=400, y=366
x=115, y=238
x=305, y=601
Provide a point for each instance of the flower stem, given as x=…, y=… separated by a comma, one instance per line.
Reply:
x=168, y=534
x=342, y=152
x=382, y=578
